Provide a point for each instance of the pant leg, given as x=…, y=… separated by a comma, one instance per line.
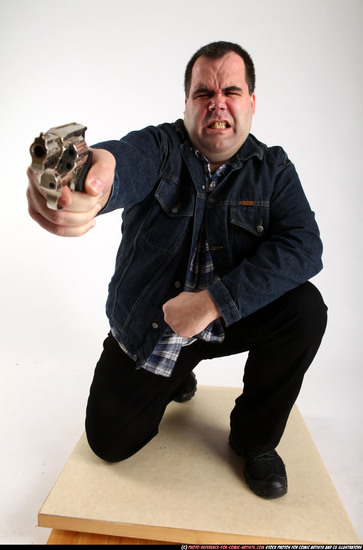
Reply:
x=284, y=339
x=125, y=405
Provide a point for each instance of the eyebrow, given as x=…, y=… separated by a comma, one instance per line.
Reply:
x=205, y=90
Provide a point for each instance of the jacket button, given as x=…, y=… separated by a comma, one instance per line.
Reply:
x=134, y=357
x=260, y=227
x=177, y=284
x=155, y=325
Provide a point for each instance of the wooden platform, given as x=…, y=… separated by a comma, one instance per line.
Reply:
x=186, y=486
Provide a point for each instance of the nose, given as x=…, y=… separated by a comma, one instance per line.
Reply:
x=217, y=103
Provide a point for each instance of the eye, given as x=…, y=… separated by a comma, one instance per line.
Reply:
x=202, y=93
x=201, y=96
x=233, y=91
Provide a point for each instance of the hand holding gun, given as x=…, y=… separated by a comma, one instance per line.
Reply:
x=68, y=182
x=61, y=157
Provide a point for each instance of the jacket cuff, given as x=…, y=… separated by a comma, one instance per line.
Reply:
x=224, y=302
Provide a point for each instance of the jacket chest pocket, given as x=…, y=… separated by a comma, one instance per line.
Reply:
x=249, y=223
x=169, y=216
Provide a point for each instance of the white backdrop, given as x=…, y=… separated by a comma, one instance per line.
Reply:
x=118, y=65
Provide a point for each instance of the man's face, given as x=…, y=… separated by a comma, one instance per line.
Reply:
x=219, y=109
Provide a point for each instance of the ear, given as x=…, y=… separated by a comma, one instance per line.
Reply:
x=253, y=103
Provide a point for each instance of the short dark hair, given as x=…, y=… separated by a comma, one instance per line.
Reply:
x=216, y=50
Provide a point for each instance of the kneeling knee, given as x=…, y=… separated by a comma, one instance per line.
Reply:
x=312, y=308
x=108, y=446
x=308, y=311
x=114, y=446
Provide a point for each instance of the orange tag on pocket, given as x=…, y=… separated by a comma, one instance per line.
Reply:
x=246, y=203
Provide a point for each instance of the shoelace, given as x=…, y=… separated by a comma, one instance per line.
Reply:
x=269, y=455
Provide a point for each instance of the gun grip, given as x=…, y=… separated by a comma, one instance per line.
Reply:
x=81, y=176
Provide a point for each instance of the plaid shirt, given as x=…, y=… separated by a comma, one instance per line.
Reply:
x=199, y=276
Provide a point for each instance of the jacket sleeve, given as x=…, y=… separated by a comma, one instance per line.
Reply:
x=139, y=157
x=288, y=256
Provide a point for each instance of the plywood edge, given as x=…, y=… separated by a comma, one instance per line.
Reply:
x=62, y=538
x=151, y=532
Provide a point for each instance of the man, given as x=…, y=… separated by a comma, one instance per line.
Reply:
x=218, y=244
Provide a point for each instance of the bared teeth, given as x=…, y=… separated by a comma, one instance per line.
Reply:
x=218, y=125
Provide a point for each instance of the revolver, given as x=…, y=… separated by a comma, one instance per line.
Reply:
x=61, y=157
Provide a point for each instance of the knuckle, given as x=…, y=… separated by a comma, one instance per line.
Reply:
x=58, y=217
x=59, y=231
x=32, y=213
x=30, y=193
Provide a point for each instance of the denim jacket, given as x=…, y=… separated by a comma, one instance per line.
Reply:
x=261, y=231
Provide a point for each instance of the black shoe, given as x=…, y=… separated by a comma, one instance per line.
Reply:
x=187, y=389
x=265, y=472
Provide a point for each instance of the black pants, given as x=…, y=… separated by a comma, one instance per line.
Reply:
x=126, y=405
